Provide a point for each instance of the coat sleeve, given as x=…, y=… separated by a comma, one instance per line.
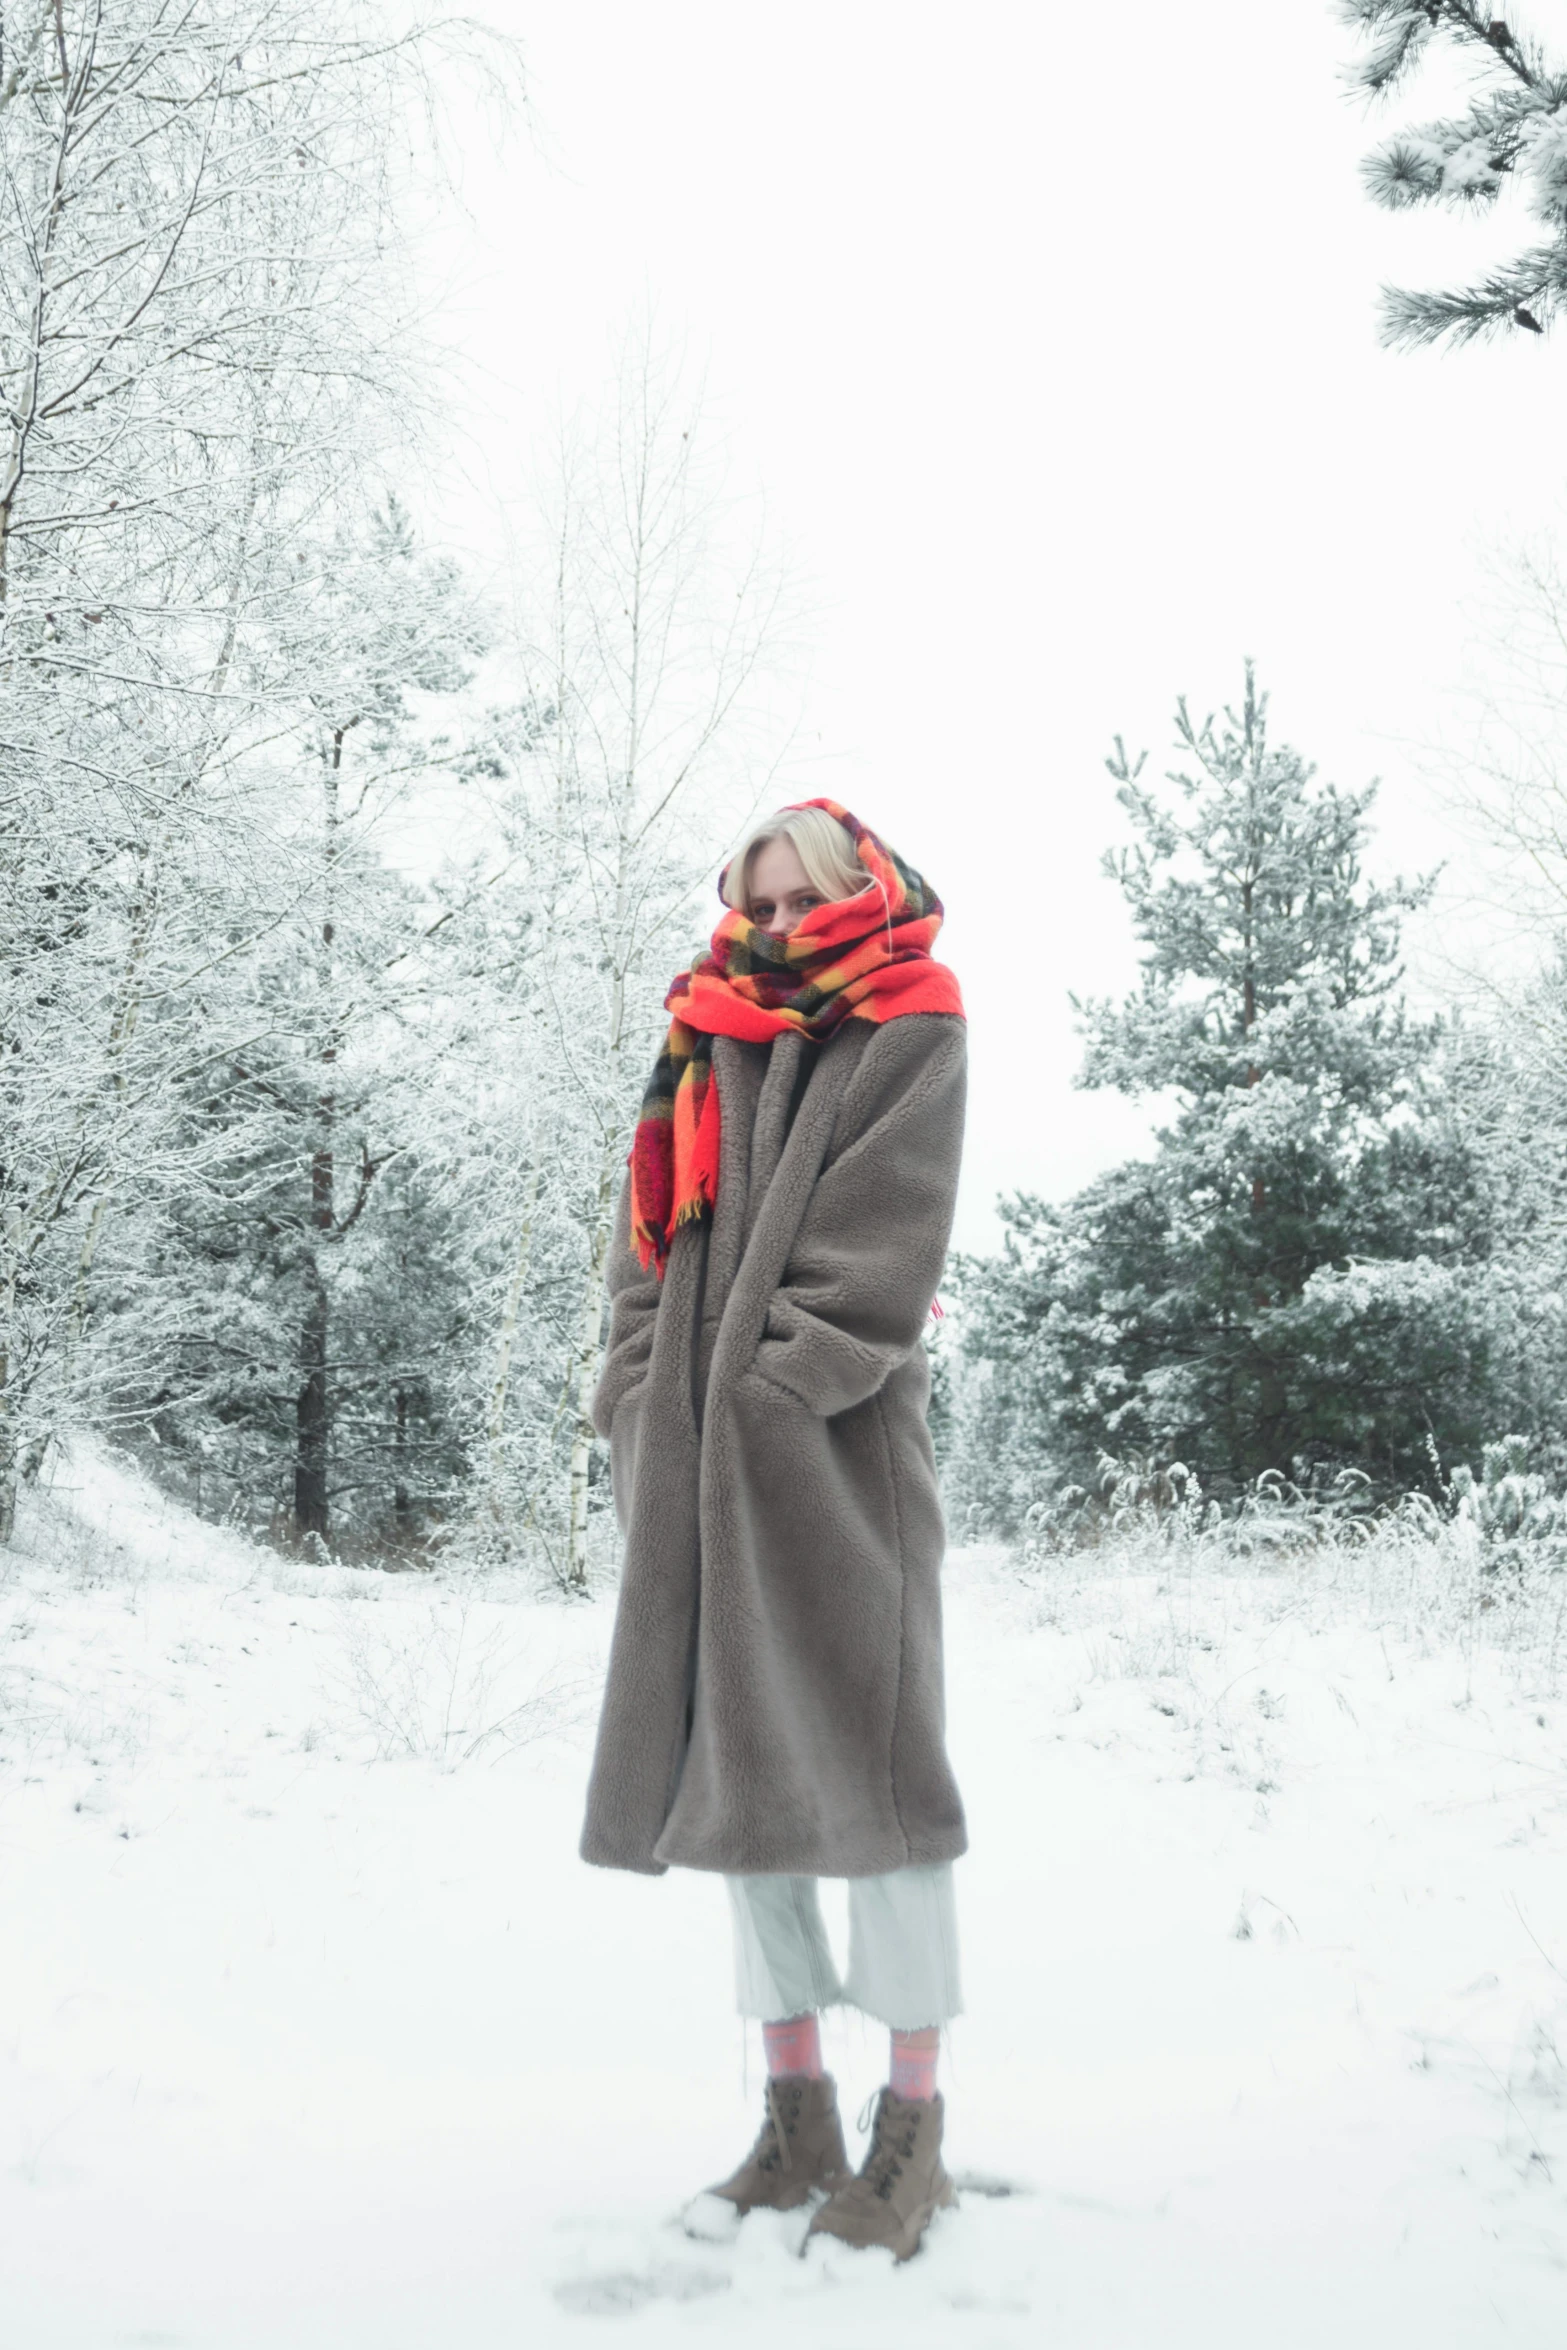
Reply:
x=633, y=1308
x=871, y=1244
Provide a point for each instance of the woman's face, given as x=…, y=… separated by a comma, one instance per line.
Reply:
x=780, y=895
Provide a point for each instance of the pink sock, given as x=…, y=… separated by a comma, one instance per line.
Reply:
x=794, y=2046
x=914, y=2062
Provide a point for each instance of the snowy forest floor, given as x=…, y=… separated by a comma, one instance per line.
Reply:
x=317, y=2034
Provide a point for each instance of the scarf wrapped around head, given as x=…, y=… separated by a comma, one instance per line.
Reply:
x=861, y=958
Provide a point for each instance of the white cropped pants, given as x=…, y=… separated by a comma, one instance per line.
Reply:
x=903, y=1948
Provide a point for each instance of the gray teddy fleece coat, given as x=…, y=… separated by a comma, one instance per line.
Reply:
x=774, y=1699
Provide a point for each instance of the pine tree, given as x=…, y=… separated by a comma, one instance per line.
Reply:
x=1276, y=1286
x=1514, y=129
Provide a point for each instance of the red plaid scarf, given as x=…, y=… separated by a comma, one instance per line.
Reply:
x=861, y=958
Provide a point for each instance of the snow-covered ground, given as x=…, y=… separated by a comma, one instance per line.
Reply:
x=317, y=2035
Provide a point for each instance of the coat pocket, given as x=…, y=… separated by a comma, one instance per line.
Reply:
x=625, y=1430
x=820, y=1483
x=809, y=1527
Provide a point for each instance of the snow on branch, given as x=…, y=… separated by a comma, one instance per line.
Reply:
x=1514, y=130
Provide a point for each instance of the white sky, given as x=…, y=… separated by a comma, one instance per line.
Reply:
x=1050, y=333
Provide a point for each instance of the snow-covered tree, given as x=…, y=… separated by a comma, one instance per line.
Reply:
x=1503, y=774
x=1509, y=1089
x=1280, y=1281
x=201, y=340
x=308, y=1141
x=1514, y=129
x=644, y=735
x=299, y=1294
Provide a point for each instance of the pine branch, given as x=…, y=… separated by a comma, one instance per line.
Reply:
x=1399, y=32
x=1515, y=130
x=1527, y=297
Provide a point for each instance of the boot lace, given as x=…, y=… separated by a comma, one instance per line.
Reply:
x=771, y=2150
x=891, y=2147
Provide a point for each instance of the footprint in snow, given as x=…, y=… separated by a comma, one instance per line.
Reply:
x=619, y=2291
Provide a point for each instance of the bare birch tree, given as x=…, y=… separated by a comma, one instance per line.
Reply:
x=647, y=734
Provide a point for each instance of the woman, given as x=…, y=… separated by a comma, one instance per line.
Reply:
x=774, y=1701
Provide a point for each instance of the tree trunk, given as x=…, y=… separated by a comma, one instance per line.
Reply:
x=10, y=1443
x=7, y=1464
x=24, y=406
x=589, y=1344
x=506, y=1345
x=312, y=1414
x=402, y=1505
x=313, y=1411
x=1259, y=1194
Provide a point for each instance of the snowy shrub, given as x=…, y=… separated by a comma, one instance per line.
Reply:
x=444, y=1683
x=1162, y=1504
x=1520, y=1522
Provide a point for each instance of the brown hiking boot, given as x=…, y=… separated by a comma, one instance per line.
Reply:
x=898, y=2186
x=799, y=2151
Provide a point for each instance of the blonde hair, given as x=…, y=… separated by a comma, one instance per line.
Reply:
x=831, y=860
